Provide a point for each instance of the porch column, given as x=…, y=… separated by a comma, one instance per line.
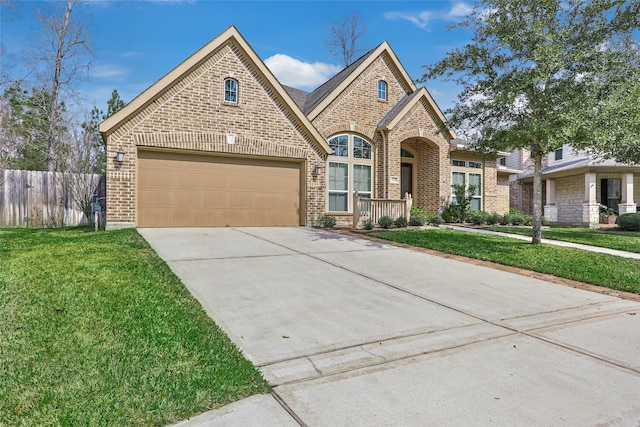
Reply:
x=627, y=204
x=590, y=207
x=550, y=208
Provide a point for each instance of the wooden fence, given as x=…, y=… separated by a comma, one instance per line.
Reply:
x=374, y=209
x=47, y=199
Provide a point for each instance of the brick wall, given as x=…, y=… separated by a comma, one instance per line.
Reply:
x=191, y=114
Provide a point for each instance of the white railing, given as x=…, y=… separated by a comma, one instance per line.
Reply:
x=374, y=209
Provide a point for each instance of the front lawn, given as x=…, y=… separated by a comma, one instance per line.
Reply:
x=598, y=269
x=95, y=330
x=621, y=240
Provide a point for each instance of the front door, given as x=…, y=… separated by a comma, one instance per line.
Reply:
x=406, y=179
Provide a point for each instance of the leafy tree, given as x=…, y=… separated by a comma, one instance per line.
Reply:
x=344, y=37
x=540, y=74
x=27, y=126
x=114, y=104
x=464, y=196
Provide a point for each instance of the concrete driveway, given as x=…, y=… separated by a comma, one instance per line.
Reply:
x=357, y=333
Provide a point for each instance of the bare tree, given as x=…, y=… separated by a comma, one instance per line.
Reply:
x=61, y=56
x=344, y=38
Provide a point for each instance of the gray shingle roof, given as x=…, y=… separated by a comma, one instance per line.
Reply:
x=299, y=96
x=316, y=97
x=397, y=108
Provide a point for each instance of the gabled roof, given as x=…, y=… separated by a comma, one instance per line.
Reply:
x=231, y=34
x=320, y=98
x=406, y=104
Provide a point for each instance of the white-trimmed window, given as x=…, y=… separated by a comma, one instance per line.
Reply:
x=468, y=173
x=382, y=90
x=231, y=90
x=350, y=170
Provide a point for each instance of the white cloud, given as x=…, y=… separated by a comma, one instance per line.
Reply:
x=420, y=19
x=460, y=10
x=109, y=71
x=298, y=74
x=423, y=18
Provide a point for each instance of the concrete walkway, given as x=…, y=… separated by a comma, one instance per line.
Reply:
x=598, y=249
x=352, y=332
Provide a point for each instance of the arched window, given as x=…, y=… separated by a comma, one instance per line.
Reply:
x=350, y=170
x=382, y=90
x=406, y=154
x=231, y=90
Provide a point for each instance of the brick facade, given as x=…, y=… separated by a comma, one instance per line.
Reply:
x=186, y=111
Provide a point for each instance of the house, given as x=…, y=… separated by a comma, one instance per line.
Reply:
x=575, y=184
x=218, y=141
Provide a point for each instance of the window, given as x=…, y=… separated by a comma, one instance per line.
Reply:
x=502, y=161
x=468, y=173
x=406, y=154
x=350, y=170
x=382, y=90
x=559, y=154
x=231, y=90
x=475, y=179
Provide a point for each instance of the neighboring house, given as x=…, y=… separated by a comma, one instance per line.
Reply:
x=219, y=141
x=575, y=184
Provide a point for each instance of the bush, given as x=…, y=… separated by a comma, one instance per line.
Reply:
x=385, y=222
x=401, y=222
x=514, y=211
x=629, y=222
x=326, y=221
x=417, y=210
x=434, y=220
x=545, y=222
x=447, y=216
x=505, y=219
x=368, y=224
x=516, y=219
x=527, y=220
x=417, y=220
x=477, y=217
x=493, y=218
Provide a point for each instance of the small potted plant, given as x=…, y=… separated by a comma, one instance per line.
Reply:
x=607, y=215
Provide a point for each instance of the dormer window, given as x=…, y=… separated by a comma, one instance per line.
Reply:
x=231, y=90
x=382, y=90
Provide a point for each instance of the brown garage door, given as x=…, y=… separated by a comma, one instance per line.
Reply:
x=193, y=190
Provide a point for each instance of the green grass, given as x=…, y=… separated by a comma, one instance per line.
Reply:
x=621, y=240
x=95, y=330
x=598, y=269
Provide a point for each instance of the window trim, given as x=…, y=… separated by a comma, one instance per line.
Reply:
x=351, y=160
x=234, y=91
x=383, y=88
x=467, y=171
x=559, y=154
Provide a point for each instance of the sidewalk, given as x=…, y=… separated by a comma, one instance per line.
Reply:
x=548, y=241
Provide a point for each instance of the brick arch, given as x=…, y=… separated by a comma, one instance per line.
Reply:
x=348, y=127
x=414, y=133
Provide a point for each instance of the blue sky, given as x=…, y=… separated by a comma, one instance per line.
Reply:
x=137, y=42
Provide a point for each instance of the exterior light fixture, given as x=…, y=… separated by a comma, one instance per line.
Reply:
x=120, y=156
x=317, y=170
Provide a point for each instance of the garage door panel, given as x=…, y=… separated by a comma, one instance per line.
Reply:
x=181, y=190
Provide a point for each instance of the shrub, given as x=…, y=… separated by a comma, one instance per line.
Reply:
x=417, y=210
x=527, y=220
x=477, y=217
x=629, y=222
x=545, y=222
x=434, y=220
x=368, y=224
x=505, y=219
x=447, y=216
x=385, y=222
x=493, y=218
x=417, y=220
x=514, y=211
x=401, y=222
x=326, y=221
x=516, y=219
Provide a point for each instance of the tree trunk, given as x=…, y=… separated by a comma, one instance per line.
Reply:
x=537, y=199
